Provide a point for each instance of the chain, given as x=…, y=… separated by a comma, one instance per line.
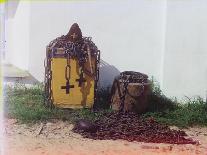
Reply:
x=81, y=77
x=48, y=79
x=97, y=66
x=77, y=50
x=67, y=68
x=122, y=98
x=125, y=78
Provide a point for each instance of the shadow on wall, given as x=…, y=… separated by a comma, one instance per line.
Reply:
x=107, y=73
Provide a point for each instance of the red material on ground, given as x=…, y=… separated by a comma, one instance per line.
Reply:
x=131, y=127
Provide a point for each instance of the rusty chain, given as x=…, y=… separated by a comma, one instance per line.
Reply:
x=67, y=68
x=122, y=98
x=131, y=127
x=72, y=50
x=126, y=78
x=48, y=80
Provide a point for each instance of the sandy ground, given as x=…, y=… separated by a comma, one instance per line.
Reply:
x=56, y=138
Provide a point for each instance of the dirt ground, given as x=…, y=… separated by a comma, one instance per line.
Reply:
x=56, y=138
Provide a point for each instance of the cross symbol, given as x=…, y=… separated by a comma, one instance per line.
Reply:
x=80, y=80
x=67, y=87
x=74, y=35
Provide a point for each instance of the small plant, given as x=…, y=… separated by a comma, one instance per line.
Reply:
x=27, y=105
x=158, y=102
x=103, y=98
x=188, y=113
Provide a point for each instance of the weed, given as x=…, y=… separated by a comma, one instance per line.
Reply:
x=191, y=113
x=103, y=98
x=27, y=105
x=158, y=102
x=187, y=113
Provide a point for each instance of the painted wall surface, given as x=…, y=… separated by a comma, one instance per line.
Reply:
x=185, y=65
x=17, y=36
x=128, y=33
x=2, y=30
x=163, y=38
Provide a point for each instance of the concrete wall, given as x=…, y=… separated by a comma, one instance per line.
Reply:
x=163, y=38
x=128, y=33
x=185, y=65
x=17, y=36
x=2, y=31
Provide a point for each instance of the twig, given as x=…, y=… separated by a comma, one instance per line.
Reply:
x=40, y=129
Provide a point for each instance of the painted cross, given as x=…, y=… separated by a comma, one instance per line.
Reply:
x=67, y=87
x=80, y=80
x=74, y=36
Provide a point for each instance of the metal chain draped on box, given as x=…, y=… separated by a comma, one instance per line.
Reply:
x=82, y=50
x=126, y=78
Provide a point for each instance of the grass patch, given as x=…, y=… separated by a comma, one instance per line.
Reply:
x=27, y=105
x=103, y=98
x=191, y=112
x=158, y=102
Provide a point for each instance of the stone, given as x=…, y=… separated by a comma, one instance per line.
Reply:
x=86, y=125
x=137, y=91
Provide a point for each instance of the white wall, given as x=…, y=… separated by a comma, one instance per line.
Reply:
x=166, y=40
x=2, y=31
x=128, y=33
x=185, y=66
x=17, y=36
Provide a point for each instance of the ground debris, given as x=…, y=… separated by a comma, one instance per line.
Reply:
x=132, y=127
x=39, y=131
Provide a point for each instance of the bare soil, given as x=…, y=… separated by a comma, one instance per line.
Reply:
x=56, y=138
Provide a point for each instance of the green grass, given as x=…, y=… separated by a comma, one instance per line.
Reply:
x=27, y=105
x=158, y=102
x=103, y=96
x=193, y=113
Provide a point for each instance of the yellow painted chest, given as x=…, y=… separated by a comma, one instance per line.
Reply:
x=71, y=73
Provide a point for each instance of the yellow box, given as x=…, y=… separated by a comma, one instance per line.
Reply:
x=78, y=97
